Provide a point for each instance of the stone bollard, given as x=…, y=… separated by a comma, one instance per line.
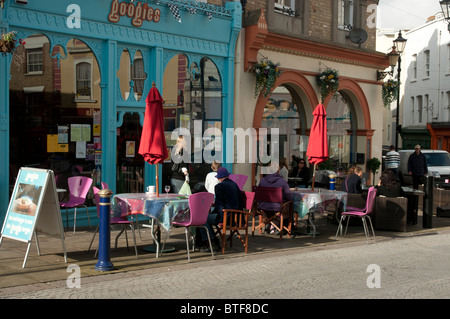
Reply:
x=104, y=234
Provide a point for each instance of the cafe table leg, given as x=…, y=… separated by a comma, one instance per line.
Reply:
x=156, y=235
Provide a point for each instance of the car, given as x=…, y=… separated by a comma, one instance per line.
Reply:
x=438, y=162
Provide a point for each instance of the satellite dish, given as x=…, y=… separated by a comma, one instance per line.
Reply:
x=358, y=35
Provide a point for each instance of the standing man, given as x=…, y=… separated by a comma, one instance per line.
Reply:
x=392, y=160
x=417, y=166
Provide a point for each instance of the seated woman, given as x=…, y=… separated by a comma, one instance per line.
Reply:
x=301, y=171
x=352, y=183
x=388, y=185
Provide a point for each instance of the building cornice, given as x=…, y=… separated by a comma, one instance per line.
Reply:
x=258, y=37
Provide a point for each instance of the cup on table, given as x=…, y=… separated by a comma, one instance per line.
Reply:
x=151, y=190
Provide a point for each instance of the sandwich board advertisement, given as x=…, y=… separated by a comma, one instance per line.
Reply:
x=33, y=208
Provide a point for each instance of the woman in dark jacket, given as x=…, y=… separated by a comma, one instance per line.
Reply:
x=352, y=183
x=388, y=185
x=179, y=166
x=301, y=171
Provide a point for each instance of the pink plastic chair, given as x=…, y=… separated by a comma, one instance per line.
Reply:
x=363, y=214
x=78, y=188
x=199, y=207
x=114, y=221
x=239, y=180
x=134, y=218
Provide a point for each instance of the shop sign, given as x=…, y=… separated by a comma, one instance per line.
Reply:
x=137, y=12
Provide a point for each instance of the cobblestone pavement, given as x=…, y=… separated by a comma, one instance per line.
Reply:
x=411, y=267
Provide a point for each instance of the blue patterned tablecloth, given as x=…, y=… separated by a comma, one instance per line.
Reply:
x=306, y=200
x=163, y=208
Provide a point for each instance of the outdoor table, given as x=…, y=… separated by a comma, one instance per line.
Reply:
x=413, y=202
x=163, y=209
x=309, y=202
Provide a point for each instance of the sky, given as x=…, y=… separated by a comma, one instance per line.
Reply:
x=402, y=14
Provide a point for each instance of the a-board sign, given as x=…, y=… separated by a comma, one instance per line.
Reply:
x=33, y=207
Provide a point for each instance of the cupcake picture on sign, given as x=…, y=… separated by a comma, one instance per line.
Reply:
x=26, y=199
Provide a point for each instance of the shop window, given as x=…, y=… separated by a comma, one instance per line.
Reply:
x=345, y=14
x=49, y=128
x=131, y=74
x=139, y=77
x=192, y=99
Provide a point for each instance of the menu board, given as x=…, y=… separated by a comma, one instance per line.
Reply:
x=33, y=207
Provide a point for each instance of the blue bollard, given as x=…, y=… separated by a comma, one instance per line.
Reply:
x=104, y=234
x=332, y=182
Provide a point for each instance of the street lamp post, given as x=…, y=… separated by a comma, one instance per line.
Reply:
x=445, y=6
x=400, y=44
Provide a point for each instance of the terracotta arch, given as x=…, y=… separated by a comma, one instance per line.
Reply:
x=293, y=77
x=352, y=86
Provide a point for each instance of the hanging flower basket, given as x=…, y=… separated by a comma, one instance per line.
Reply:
x=328, y=82
x=8, y=42
x=389, y=92
x=267, y=73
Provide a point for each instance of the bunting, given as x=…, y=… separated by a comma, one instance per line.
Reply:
x=192, y=10
x=175, y=12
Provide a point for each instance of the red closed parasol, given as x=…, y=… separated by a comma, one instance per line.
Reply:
x=317, y=151
x=153, y=141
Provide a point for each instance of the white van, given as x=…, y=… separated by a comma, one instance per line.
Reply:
x=438, y=163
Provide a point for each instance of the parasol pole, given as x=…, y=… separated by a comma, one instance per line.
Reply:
x=314, y=177
x=157, y=180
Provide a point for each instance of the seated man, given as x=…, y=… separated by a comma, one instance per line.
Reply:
x=228, y=196
x=274, y=180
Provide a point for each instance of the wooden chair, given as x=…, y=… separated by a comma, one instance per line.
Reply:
x=285, y=214
x=236, y=220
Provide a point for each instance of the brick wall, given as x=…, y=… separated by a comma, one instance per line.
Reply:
x=321, y=18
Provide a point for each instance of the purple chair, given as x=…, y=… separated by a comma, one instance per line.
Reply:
x=122, y=220
x=363, y=214
x=199, y=207
x=78, y=188
x=239, y=179
x=105, y=185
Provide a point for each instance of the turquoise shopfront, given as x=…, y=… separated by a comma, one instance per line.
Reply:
x=73, y=89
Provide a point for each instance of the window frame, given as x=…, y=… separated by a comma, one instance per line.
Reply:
x=346, y=12
x=40, y=60
x=83, y=97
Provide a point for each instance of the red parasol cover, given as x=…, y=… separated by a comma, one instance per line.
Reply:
x=317, y=151
x=153, y=141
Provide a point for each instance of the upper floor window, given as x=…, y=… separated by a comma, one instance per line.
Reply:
x=345, y=14
x=34, y=61
x=427, y=63
x=419, y=108
x=83, y=80
x=414, y=59
x=448, y=58
x=286, y=7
